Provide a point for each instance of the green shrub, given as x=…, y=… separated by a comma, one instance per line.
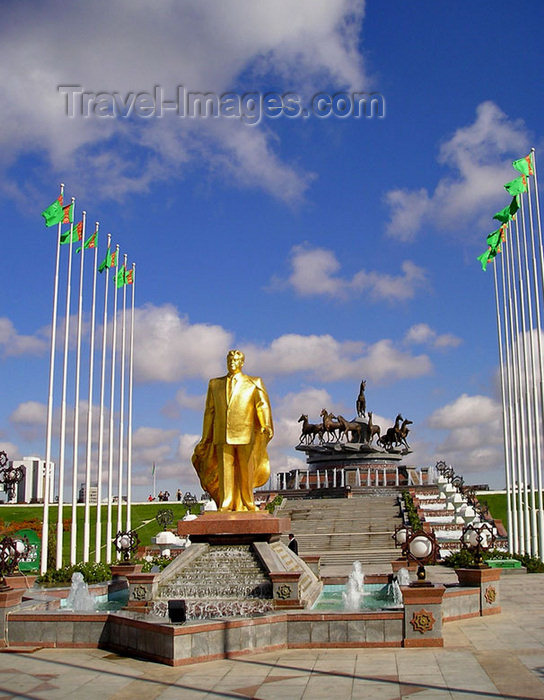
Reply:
x=92, y=573
x=160, y=562
x=465, y=558
x=411, y=511
x=277, y=501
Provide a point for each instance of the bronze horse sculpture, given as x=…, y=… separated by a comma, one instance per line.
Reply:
x=372, y=429
x=330, y=425
x=361, y=400
x=392, y=435
x=309, y=431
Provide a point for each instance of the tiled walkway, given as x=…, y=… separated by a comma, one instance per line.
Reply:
x=500, y=656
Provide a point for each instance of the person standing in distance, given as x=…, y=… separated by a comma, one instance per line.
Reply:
x=293, y=544
x=231, y=458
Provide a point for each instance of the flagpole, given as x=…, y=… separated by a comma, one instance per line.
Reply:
x=535, y=433
x=530, y=466
x=122, y=399
x=75, y=463
x=538, y=288
x=130, y=386
x=515, y=373
x=154, y=481
x=504, y=414
x=98, y=553
x=63, y=401
x=509, y=386
x=87, y=518
x=109, y=534
x=49, y=425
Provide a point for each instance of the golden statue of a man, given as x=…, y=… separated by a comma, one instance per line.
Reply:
x=231, y=458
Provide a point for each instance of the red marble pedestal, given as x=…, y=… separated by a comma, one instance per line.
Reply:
x=234, y=528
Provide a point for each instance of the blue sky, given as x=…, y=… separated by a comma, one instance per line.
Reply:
x=328, y=249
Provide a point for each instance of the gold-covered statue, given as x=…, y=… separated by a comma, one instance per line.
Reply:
x=231, y=459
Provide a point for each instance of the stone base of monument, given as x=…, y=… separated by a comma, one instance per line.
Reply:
x=235, y=566
x=234, y=528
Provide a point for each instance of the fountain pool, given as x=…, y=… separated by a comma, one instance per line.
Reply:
x=376, y=596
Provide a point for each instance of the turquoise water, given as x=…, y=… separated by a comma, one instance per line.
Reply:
x=377, y=597
x=116, y=601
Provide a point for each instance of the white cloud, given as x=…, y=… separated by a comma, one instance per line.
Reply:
x=476, y=156
x=205, y=47
x=315, y=273
x=423, y=334
x=169, y=348
x=13, y=344
x=464, y=411
x=473, y=440
x=330, y=360
x=186, y=446
x=29, y=419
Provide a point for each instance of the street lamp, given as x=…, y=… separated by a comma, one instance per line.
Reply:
x=11, y=553
x=126, y=543
x=478, y=539
x=421, y=547
x=10, y=476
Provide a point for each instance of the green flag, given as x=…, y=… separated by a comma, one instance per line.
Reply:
x=494, y=240
x=89, y=243
x=524, y=165
x=73, y=235
x=54, y=213
x=486, y=257
x=109, y=261
x=517, y=186
x=121, y=277
x=507, y=214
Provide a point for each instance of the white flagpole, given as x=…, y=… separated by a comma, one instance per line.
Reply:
x=154, y=481
x=510, y=390
x=520, y=455
x=538, y=289
x=98, y=552
x=130, y=385
x=63, y=403
x=530, y=466
x=109, y=533
x=49, y=425
x=75, y=463
x=122, y=401
x=87, y=518
x=535, y=441
x=504, y=414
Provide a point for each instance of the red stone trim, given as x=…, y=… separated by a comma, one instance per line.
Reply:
x=419, y=596
x=457, y=592
x=491, y=611
x=428, y=642
x=464, y=616
x=343, y=645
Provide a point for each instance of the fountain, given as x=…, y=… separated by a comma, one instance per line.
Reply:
x=79, y=599
x=355, y=588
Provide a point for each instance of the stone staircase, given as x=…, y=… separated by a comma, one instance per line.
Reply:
x=345, y=530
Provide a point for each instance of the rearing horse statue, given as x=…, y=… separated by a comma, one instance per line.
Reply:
x=361, y=400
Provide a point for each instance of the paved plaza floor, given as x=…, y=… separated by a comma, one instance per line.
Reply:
x=500, y=656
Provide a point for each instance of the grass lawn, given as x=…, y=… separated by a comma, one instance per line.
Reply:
x=142, y=520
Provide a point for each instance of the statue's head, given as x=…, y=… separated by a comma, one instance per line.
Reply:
x=235, y=361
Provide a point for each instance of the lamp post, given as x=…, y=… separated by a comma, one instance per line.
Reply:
x=126, y=544
x=478, y=538
x=11, y=553
x=421, y=547
x=10, y=476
